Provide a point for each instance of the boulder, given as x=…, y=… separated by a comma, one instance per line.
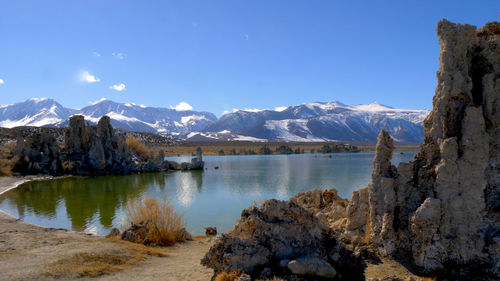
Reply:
x=113, y=233
x=136, y=233
x=211, y=230
x=276, y=231
x=311, y=266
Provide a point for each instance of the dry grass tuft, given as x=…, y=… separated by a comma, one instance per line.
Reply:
x=86, y=264
x=224, y=276
x=164, y=225
x=200, y=238
x=93, y=264
x=150, y=251
x=138, y=146
x=5, y=167
x=7, y=159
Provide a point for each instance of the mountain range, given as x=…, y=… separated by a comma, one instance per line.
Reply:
x=317, y=121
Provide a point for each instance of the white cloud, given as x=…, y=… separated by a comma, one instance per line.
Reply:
x=118, y=87
x=96, y=54
x=280, y=108
x=225, y=112
x=182, y=106
x=119, y=56
x=1, y=81
x=85, y=76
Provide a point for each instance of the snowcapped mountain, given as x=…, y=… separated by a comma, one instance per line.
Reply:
x=332, y=121
x=34, y=112
x=47, y=112
x=325, y=121
x=141, y=118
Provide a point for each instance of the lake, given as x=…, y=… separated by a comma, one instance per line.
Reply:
x=214, y=197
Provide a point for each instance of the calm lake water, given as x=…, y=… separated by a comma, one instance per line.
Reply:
x=214, y=197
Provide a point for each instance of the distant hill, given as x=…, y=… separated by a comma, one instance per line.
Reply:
x=331, y=121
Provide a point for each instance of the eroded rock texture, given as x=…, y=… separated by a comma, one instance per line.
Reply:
x=282, y=239
x=88, y=150
x=443, y=208
x=441, y=211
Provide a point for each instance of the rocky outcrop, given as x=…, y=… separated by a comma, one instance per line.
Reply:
x=282, y=239
x=442, y=208
x=441, y=211
x=88, y=150
x=94, y=150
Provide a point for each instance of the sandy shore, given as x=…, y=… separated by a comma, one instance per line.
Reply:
x=31, y=252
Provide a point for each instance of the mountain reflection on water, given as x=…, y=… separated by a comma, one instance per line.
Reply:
x=205, y=198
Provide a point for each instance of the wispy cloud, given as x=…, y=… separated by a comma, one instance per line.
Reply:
x=182, y=106
x=1, y=81
x=118, y=87
x=85, y=76
x=119, y=56
x=246, y=36
x=96, y=54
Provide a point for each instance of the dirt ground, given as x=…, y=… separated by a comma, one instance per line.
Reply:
x=31, y=252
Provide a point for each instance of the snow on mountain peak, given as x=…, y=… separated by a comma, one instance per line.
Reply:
x=98, y=101
x=37, y=100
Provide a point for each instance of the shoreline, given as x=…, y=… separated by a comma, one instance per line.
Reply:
x=12, y=183
x=51, y=244
x=43, y=251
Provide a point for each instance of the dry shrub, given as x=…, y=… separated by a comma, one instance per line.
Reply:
x=138, y=146
x=7, y=159
x=164, y=225
x=224, y=276
x=5, y=167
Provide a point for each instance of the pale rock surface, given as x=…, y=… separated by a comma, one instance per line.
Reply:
x=265, y=236
x=443, y=208
x=312, y=266
x=440, y=211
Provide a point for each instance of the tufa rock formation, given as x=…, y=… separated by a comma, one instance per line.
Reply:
x=88, y=150
x=282, y=239
x=443, y=209
x=440, y=212
x=94, y=150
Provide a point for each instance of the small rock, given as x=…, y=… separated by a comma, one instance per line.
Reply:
x=211, y=230
x=312, y=266
x=113, y=233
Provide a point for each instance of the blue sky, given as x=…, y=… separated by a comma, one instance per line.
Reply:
x=220, y=55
